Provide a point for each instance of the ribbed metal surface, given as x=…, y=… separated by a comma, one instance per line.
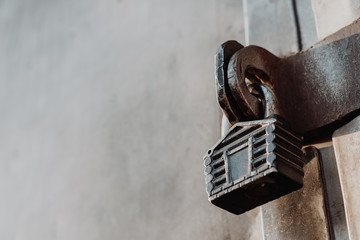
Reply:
x=250, y=151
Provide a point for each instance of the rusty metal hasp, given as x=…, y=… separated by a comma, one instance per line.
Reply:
x=318, y=89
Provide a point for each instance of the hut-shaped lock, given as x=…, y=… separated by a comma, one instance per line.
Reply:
x=254, y=163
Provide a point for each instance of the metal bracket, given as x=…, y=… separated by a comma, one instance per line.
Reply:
x=318, y=89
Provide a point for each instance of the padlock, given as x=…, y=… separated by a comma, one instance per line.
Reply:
x=255, y=162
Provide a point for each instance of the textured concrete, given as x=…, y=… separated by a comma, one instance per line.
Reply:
x=271, y=25
x=107, y=109
x=347, y=148
x=332, y=15
x=306, y=23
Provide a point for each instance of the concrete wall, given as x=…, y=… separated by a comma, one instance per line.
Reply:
x=332, y=15
x=107, y=108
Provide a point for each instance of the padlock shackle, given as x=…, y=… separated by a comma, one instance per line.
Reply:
x=259, y=67
x=270, y=102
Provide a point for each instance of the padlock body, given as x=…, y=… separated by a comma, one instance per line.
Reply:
x=254, y=163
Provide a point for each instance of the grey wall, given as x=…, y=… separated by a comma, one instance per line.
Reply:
x=107, y=108
x=332, y=15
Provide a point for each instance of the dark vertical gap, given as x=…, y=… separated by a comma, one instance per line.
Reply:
x=328, y=217
x=334, y=202
x=297, y=25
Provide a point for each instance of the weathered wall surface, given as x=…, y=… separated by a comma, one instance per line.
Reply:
x=347, y=147
x=332, y=15
x=107, y=108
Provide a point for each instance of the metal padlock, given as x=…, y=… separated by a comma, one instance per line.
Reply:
x=255, y=162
